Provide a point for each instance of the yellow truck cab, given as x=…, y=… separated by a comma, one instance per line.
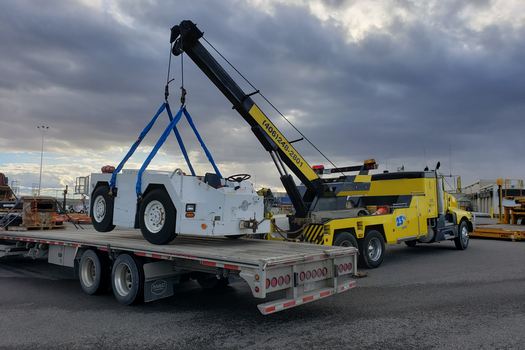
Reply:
x=408, y=206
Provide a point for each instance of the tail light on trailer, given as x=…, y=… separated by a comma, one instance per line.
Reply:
x=281, y=280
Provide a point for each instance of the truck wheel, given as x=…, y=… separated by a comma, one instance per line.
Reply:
x=412, y=243
x=372, y=249
x=102, y=209
x=461, y=241
x=157, y=217
x=127, y=280
x=345, y=239
x=209, y=281
x=93, y=273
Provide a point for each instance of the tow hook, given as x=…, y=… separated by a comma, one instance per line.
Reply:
x=252, y=223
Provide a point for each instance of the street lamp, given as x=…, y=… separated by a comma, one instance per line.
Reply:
x=43, y=129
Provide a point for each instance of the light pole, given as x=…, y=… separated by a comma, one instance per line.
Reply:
x=43, y=129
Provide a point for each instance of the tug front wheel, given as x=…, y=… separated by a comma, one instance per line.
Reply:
x=102, y=209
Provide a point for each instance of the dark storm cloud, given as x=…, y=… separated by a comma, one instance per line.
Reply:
x=405, y=94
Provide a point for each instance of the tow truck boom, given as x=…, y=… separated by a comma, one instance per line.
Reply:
x=185, y=38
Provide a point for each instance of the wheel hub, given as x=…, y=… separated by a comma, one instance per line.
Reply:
x=89, y=272
x=99, y=208
x=464, y=234
x=154, y=216
x=374, y=249
x=123, y=280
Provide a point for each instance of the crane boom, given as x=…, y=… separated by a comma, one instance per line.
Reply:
x=185, y=38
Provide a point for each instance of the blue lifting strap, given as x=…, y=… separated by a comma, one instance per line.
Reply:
x=135, y=145
x=161, y=140
x=179, y=140
x=208, y=154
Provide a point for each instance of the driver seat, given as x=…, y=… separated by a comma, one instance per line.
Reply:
x=212, y=180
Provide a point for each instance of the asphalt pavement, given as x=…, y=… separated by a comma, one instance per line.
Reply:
x=430, y=296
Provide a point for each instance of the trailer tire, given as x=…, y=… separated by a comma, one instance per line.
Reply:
x=372, y=249
x=461, y=241
x=209, y=281
x=127, y=280
x=101, y=209
x=93, y=273
x=157, y=217
x=345, y=239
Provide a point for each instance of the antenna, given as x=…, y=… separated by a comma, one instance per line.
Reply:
x=450, y=158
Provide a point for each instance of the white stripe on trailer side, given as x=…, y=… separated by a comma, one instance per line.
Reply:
x=209, y=263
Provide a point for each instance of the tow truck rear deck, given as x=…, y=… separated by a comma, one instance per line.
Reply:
x=306, y=272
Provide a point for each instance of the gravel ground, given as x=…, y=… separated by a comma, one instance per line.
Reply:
x=430, y=296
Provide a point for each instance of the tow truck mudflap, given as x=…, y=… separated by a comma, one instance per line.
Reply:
x=283, y=304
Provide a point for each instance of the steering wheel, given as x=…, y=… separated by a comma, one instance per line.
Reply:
x=238, y=177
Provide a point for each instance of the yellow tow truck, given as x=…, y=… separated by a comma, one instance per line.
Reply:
x=408, y=206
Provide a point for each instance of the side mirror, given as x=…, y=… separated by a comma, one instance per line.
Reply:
x=438, y=165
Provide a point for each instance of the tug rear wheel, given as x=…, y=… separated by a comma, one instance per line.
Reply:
x=157, y=217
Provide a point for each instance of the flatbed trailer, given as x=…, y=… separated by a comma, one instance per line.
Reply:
x=138, y=271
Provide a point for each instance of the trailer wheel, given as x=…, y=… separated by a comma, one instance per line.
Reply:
x=127, y=280
x=209, y=281
x=102, y=209
x=345, y=239
x=372, y=249
x=157, y=217
x=93, y=273
x=461, y=241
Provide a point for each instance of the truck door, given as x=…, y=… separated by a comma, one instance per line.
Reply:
x=406, y=223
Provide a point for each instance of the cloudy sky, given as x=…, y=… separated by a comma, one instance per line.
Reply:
x=405, y=82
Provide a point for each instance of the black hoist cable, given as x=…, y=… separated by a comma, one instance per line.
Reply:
x=168, y=80
x=270, y=103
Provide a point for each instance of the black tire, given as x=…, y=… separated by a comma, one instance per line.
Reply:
x=411, y=244
x=372, y=249
x=101, y=209
x=234, y=236
x=93, y=272
x=210, y=281
x=157, y=217
x=345, y=239
x=461, y=241
x=127, y=280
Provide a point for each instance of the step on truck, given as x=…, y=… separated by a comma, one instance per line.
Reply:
x=137, y=271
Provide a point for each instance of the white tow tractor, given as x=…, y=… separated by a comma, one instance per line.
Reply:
x=174, y=203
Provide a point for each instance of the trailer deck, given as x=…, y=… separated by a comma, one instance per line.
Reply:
x=267, y=266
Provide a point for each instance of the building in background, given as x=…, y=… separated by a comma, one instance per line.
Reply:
x=484, y=194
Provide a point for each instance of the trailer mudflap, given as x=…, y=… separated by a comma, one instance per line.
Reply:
x=283, y=304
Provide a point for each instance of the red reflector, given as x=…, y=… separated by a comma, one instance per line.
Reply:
x=319, y=272
x=325, y=271
x=267, y=283
x=340, y=267
x=301, y=276
x=349, y=266
x=274, y=282
x=318, y=167
x=314, y=273
x=256, y=289
x=308, y=275
x=281, y=280
x=287, y=279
